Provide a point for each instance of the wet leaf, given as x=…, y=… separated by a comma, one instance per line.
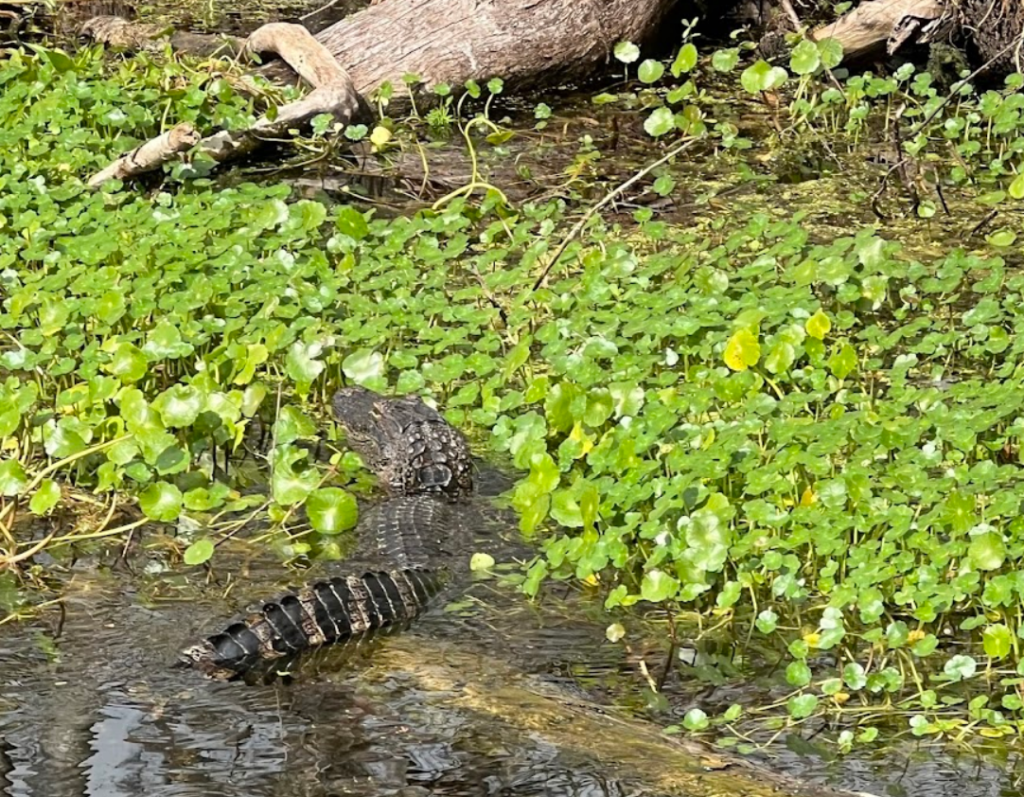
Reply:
x=331, y=510
x=198, y=552
x=161, y=501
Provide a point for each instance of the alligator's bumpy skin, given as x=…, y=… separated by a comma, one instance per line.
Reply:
x=407, y=444
x=324, y=613
x=425, y=466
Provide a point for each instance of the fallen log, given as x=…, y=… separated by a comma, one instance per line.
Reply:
x=333, y=93
x=482, y=684
x=992, y=29
x=150, y=156
x=873, y=24
x=525, y=42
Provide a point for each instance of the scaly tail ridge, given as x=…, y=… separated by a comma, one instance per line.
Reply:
x=323, y=613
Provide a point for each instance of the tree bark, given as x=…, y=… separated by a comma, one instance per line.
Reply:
x=524, y=42
x=997, y=31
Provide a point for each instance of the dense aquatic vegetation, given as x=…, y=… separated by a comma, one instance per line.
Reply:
x=813, y=442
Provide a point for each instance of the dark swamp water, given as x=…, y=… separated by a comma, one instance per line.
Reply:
x=487, y=695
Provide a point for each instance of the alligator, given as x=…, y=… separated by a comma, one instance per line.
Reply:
x=423, y=465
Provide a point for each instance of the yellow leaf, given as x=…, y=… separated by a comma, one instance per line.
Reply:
x=808, y=497
x=380, y=136
x=818, y=325
x=742, y=350
x=586, y=442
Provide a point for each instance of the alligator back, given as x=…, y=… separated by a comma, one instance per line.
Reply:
x=425, y=466
x=324, y=613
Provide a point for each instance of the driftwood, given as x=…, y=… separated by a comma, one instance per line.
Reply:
x=525, y=42
x=881, y=22
x=993, y=28
x=333, y=93
x=482, y=684
x=151, y=155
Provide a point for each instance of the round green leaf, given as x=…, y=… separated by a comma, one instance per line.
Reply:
x=798, y=673
x=45, y=497
x=762, y=76
x=12, y=478
x=831, y=52
x=198, y=552
x=658, y=586
x=725, y=60
x=128, y=364
x=363, y=366
x=481, y=562
x=802, y=706
x=780, y=358
x=161, y=501
x=960, y=667
x=180, y=405
x=805, y=58
x=818, y=325
x=332, y=510
x=627, y=52
x=660, y=122
x=650, y=71
x=301, y=364
x=686, y=60
x=1016, y=189
x=742, y=351
x=987, y=550
x=997, y=640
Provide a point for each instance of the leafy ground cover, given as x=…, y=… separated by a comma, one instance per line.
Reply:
x=809, y=441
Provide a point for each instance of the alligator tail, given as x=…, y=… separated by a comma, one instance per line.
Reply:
x=323, y=613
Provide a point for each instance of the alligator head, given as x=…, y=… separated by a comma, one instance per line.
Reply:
x=410, y=447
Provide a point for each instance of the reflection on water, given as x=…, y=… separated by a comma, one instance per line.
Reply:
x=110, y=717
x=106, y=715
